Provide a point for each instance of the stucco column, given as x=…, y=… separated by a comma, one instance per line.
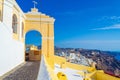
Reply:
x=44, y=46
x=48, y=50
x=51, y=44
x=51, y=51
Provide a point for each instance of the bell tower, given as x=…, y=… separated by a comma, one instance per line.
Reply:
x=44, y=24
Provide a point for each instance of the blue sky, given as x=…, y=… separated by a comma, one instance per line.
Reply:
x=92, y=24
x=33, y=37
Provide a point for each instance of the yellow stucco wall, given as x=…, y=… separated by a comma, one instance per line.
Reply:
x=15, y=36
x=79, y=67
x=35, y=55
x=102, y=76
x=62, y=61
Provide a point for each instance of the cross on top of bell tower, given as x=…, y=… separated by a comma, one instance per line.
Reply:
x=34, y=9
x=35, y=3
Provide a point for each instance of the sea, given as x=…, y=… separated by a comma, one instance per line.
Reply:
x=117, y=57
x=116, y=54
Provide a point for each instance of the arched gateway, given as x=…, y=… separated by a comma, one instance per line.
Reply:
x=45, y=25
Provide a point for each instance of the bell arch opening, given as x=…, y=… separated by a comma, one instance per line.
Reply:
x=33, y=45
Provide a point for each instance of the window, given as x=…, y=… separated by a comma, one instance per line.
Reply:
x=22, y=29
x=14, y=23
x=0, y=16
x=1, y=10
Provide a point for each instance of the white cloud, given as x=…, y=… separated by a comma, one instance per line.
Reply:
x=116, y=26
x=74, y=41
x=113, y=18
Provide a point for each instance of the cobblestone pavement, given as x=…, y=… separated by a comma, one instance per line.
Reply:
x=28, y=71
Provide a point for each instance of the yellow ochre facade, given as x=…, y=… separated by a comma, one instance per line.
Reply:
x=13, y=28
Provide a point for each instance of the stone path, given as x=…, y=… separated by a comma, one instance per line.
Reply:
x=28, y=71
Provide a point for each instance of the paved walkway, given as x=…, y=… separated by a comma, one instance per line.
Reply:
x=28, y=71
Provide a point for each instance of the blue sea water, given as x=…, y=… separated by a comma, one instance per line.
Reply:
x=117, y=57
x=116, y=54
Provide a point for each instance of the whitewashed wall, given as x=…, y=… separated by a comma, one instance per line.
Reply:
x=11, y=51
